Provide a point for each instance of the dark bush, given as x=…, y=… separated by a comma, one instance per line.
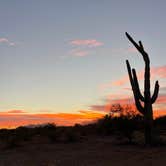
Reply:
x=104, y=125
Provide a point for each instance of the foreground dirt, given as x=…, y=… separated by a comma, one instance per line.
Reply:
x=93, y=152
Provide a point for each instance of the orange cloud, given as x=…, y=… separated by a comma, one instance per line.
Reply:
x=158, y=113
x=16, y=112
x=12, y=120
x=15, y=118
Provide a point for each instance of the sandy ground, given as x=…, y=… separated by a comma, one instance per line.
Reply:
x=94, y=152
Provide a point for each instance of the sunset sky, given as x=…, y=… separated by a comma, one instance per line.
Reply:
x=63, y=61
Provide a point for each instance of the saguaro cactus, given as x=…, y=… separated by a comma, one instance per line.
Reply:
x=143, y=102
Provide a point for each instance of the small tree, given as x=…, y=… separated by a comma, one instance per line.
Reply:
x=123, y=111
x=146, y=109
x=123, y=121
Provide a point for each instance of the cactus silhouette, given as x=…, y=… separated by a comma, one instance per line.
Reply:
x=143, y=102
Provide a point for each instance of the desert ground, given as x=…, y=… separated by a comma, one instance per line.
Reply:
x=95, y=151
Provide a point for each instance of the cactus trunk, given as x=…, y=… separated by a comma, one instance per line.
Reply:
x=148, y=117
x=146, y=108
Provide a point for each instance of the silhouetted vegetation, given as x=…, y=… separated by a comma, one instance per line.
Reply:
x=146, y=109
x=124, y=126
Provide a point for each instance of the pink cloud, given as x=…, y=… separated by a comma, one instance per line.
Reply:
x=6, y=41
x=121, y=81
x=125, y=79
x=123, y=100
x=111, y=100
x=106, y=107
x=83, y=47
x=97, y=107
x=132, y=50
x=79, y=53
x=161, y=99
x=159, y=71
x=102, y=87
x=88, y=43
x=124, y=50
x=156, y=72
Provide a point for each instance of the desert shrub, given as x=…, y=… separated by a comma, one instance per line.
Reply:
x=71, y=135
x=126, y=120
x=23, y=133
x=80, y=130
x=124, y=128
x=128, y=128
x=48, y=130
x=160, y=122
x=13, y=140
x=4, y=134
x=51, y=132
x=89, y=129
x=104, y=125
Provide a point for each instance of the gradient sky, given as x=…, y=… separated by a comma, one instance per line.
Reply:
x=61, y=56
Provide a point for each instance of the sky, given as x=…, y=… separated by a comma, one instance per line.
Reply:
x=64, y=61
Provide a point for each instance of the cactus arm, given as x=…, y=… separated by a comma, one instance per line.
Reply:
x=139, y=106
x=137, y=86
x=139, y=47
x=129, y=72
x=137, y=102
x=156, y=91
